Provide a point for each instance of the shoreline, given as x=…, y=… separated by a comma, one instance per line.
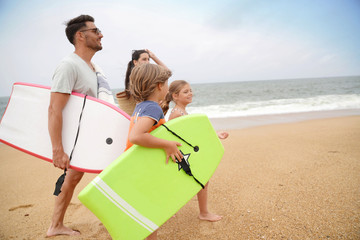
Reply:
x=233, y=123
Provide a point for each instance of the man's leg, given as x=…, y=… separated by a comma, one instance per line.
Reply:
x=62, y=201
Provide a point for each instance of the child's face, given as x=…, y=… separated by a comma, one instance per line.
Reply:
x=184, y=96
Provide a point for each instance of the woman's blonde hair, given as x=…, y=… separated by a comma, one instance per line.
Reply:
x=144, y=79
x=174, y=88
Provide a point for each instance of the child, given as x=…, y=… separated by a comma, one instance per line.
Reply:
x=149, y=86
x=181, y=93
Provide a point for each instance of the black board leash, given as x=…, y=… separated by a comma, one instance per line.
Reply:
x=184, y=165
x=196, y=148
x=61, y=179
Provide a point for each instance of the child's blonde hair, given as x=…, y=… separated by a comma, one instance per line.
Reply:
x=144, y=79
x=174, y=88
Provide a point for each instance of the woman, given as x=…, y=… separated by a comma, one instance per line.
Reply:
x=125, y=100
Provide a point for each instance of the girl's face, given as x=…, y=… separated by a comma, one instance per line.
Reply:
x=144, y=58
x=184, y=96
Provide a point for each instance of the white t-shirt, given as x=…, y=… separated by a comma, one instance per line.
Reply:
x=73, y=74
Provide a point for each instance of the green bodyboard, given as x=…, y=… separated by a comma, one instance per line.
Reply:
x=138, y=192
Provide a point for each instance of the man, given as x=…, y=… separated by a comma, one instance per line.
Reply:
x=75, y=73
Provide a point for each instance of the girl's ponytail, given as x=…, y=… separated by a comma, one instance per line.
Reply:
x=165, y=104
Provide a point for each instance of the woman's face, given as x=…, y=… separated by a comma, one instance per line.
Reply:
x=144, y=58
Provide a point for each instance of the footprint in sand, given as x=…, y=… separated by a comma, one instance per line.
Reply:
x=75, y=205
x=207, y=228
x=21, y=206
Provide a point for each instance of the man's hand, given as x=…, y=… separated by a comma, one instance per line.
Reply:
x=61, y=160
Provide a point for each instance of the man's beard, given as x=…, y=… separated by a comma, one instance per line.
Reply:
x=96, y=47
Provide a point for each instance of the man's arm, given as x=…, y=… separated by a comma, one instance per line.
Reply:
x=58, y=102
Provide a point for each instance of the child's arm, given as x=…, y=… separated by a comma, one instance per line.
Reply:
x=139, y=135
x=174, y=114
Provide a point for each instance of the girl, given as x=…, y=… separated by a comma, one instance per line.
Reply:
x=125, y=100
x=181, y=93
x=149, y=86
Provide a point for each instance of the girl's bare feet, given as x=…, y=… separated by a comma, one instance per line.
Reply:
x=62, y=231
x=210, y=217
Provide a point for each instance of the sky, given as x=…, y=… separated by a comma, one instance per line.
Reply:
x=200, y=41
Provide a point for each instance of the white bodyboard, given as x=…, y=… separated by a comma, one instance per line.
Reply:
x=102, y=134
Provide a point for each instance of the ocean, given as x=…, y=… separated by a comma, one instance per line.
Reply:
x=276, y=96
x=254, y=98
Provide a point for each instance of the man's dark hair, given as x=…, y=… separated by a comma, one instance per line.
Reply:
x=75, y=24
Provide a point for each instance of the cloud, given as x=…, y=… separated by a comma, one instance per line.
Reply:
x=200, y=41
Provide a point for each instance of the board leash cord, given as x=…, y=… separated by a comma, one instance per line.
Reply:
x=184, y=165
x=61, y=179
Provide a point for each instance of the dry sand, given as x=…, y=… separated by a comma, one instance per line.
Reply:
x=284, y=181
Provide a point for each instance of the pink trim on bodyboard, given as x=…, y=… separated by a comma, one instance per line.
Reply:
x=48, y=159
x=75, y=94
x=26, y=151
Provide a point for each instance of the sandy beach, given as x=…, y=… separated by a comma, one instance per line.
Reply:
x=298, y=180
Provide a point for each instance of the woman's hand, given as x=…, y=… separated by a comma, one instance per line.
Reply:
x=151, y=54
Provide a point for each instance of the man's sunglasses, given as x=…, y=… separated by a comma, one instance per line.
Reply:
x=95, y=30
